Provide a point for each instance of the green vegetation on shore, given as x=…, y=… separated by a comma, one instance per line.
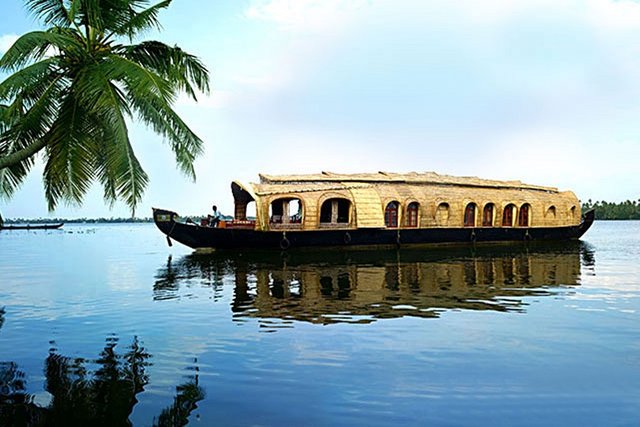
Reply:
x=76, y=220
x=605, y=210
x=193, y=218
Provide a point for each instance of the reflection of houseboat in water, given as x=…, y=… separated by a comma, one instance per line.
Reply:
x=384, y=209
x=361, y=286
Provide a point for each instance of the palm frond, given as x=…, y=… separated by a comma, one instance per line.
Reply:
x=27, y=125
x=163, y=120
x=108, y=16
x=28, y=78
x=139, y=22
x=136, y=78
x=151, y=96
x=131, y=179
x=122, y=170
x=104, y=165
x=68, y=171
x=33, y=46
x=4, y=119
x=172, y=63
x=11, y=178
x=99, y=96
x=51, y=12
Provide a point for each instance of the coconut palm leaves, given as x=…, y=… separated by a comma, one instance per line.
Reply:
x=76, y=87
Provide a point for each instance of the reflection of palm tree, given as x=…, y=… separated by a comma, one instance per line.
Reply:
x=166, y=283
x=16, y=407
x=188, y=395
x=106, y=397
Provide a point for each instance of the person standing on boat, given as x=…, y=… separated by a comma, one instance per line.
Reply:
x=214, y=219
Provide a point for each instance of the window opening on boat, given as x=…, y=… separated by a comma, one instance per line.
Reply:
x=295, y=211
x=487, y=215
x=391, y=214
x=285, y=211
x=277, y=211
x=335, y=211
x=412, y=214
x=507, y=215
x=342, y=211
x=470, y=215
x=523, y=216
x=442, y=214
x=551, y=212
x=572, y=212
x=325, y=212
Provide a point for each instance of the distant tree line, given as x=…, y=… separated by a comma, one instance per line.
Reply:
x=75, y=220
x=623, y=210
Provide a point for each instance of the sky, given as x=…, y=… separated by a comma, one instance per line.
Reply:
x=543, y=91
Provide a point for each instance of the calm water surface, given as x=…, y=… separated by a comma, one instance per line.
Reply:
x=107, y=325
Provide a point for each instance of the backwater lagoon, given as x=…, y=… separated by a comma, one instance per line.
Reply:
x=107, y=325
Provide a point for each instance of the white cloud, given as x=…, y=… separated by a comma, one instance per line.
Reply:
x=6, y=41
x=614, y=15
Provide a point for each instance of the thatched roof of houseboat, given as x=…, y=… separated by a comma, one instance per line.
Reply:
x=398, y=178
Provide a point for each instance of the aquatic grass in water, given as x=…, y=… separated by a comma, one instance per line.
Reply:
x=106, y=325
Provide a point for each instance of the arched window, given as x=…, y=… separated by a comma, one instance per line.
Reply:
x=572, y=212
x=391, y=214
x=335, y=211
x=507, y=215
x=470, y=215
x=551, y=212
x=523, y=216
x=285, y=211
x=487, y=215
x=442, y=214
x=412, y=214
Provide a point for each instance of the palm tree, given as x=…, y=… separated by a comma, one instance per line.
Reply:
x=76, y=86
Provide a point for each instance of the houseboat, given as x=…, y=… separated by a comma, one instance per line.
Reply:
x=382, y=209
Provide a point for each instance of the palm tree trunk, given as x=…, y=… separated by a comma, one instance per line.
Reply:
x=20, y=155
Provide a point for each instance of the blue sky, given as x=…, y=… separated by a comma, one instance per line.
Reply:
x=543, y=91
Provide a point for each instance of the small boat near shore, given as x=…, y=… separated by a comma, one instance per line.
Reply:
x=383, y=209
x=32, y=227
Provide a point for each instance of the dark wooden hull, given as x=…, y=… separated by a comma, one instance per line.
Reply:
x=32, y=227
x=196, y=236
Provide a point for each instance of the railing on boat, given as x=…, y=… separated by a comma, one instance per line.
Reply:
x=237, y=223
